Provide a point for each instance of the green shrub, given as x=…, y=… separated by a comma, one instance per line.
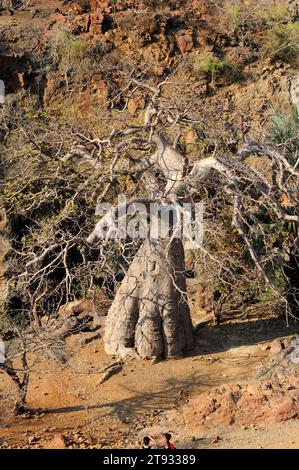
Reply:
x=214, y=68
x=235, y=16
x=283, y=43
x=239, y=18
x=272, y=15
x=284, y=127
x=71, y=54
x=75, y=51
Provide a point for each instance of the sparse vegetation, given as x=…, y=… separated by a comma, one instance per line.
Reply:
x=284, y=128
x=272, y=15
x=73, y=56
x=214, y=68
x=283, y=43
x=235, y=16
x=239, y=20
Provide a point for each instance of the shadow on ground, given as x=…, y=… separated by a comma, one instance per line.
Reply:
x=209, y=340
x=216, y=339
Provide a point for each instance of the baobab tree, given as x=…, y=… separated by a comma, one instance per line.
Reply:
x=150, y=314
x=249, y=194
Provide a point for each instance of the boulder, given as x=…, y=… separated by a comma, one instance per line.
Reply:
x=184, y=41
x=255, y=403
x=58, y=442
x=57, y=17
x=276, y=346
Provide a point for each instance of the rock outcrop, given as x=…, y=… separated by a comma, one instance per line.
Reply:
x=260, y=402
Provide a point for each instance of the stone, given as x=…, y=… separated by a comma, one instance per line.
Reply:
x=250, y=404
x=276, y=346
x=57, y=17
x=58, y=442
x=100, y=89
x=132, y=106
x=96, y=20
x=32, y=440
x=76, y=9
x=184, y=41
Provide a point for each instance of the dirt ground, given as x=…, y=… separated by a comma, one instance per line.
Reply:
x=75, y=412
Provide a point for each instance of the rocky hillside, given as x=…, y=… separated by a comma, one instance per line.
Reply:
x=229, y=53
x=232, y=65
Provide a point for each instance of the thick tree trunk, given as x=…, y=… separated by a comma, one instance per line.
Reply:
x=150, y=314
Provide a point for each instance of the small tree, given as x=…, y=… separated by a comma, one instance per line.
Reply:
x=20, y=376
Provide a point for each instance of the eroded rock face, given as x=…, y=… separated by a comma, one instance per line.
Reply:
x=244, y=404
x=14, y=69
x=273, y=398
x=169, y=25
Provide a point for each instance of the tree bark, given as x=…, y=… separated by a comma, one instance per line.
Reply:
x=22, y=385
x=150, y=314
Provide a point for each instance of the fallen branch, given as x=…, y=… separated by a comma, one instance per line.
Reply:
x=113, y=369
